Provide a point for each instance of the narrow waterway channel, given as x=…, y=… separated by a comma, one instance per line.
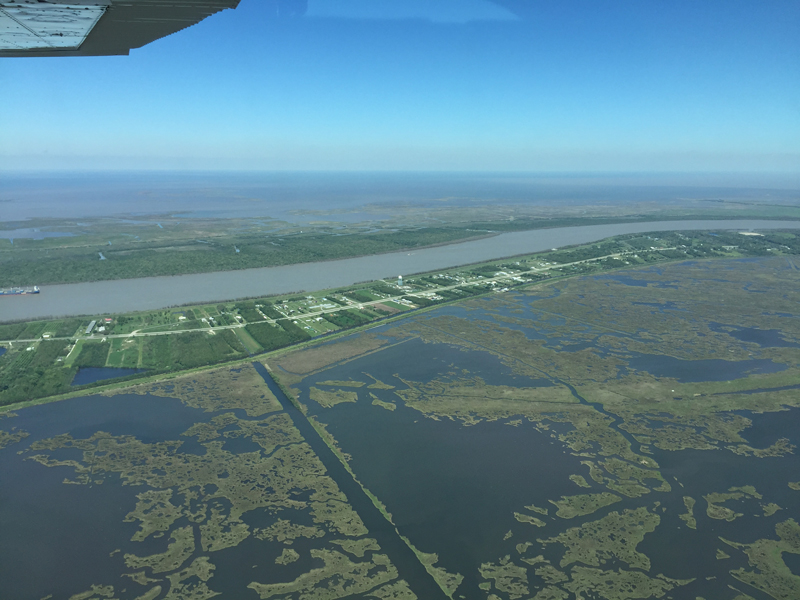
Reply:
x=616, y=421
x=408, y=566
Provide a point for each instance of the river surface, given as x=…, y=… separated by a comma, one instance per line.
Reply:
x=152, y=293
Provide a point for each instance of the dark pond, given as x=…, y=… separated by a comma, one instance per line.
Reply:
x=3, y=350
x=766, y=338
x=691, y=371
x=92, y=374
x=793, y=562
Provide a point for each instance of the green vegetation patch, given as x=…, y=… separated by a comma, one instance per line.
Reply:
x=508, y=577
x=357, y=547
x=620, y=584
x=523, y=518
x=688, y=516
x=715, y=510
x=272, y=337
x=340, y=577
x=197, y=348
x=579, y=481
x=781, y=447
x=614, y=536
x=336, y=383
x=770, y=573
x=270, y=433
x=225, y=388
x=178, y=552
x=155, y=513
x=11, y=437
x=35, y=371
x=472, y=400
x=287, y=532
x=397, y=590
x=287, y=556
x=307, y=361
x=93, y=354
x=579, y=505
x=378, y=384
x=537, y=509
x=329, y=399
x=215, y=489
x=347, y=318
x=448, y=582
x=386, y=405
x=631, y=479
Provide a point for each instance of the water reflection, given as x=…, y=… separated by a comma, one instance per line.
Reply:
x=86, y=375
x=766, y=338
x=691, y=371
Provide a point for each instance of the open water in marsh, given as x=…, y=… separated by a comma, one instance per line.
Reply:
x=454, y=489
x=57, y=538
x=677, y=550
x=62, y=539
x=451, y=489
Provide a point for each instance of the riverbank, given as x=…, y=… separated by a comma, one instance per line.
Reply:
x=151, y=293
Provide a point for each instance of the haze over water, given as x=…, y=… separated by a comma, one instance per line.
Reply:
x=27, y=195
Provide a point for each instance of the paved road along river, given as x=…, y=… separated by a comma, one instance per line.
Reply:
x=149, y=293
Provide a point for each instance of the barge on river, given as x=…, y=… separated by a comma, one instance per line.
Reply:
x=19, y=291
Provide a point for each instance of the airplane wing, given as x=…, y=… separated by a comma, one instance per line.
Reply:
x=95, y=27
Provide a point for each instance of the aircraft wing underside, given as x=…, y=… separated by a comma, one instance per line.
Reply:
x=95, y=27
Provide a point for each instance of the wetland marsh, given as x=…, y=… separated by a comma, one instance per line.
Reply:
x=194, y=489
x=599, y=437
x=625, y=435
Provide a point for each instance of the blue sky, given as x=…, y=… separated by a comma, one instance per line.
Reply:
x=656, y=85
